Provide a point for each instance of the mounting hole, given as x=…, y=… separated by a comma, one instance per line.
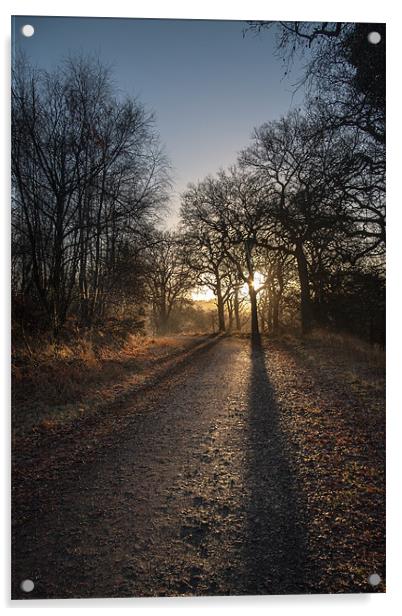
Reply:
x=27, y=585
x=28, y=30
x=374, y=37
x=374, y=579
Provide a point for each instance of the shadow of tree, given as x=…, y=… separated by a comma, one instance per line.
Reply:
x=276, y=543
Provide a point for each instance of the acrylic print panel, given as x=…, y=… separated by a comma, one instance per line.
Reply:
x=197, y=307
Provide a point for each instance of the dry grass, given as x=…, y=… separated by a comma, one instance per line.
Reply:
x=351, y=346
x=52, y=383
x=331, y=392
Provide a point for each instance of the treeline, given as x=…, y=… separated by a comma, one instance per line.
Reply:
x=301, y=207
x=305, y=203
x=298, y=221
x=89, y=181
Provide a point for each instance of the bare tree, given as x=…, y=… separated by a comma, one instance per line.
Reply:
x=341, y=69
x=232, y=206
x=207, y=256
x=320, y=190
x=88, y=176
x=169, y=277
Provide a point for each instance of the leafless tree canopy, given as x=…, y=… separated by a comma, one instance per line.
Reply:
x=297, y=224
x=89, y=179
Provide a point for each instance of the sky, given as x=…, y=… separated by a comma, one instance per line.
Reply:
x=207, y=84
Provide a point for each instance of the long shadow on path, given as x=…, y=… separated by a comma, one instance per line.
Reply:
x=276, y=535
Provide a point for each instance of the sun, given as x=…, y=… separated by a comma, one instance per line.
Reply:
x=258, y=282
x=204, y=294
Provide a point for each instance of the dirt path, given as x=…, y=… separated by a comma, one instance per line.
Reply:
x=194, y=496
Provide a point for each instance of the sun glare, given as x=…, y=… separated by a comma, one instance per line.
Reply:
x=258, y=281
x=204, y=294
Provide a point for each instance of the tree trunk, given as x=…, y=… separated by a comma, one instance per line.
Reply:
x=230, y=314
x=270, y=311
x=58, y=273
x=275, y=314
x=237, y=310
x=221, y=307
x=305, y=300
x=163, y=322
x=254, y=313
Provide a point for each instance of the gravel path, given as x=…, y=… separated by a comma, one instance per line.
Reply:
x=191, y=494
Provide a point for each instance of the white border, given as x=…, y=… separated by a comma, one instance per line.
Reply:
x=341, y=10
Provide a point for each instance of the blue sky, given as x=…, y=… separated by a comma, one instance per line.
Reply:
x=207, y=84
